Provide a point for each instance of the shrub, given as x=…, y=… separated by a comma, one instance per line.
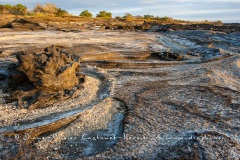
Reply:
x=127, y=16
x=8, y=7
x=49, y=8
x=86, y=13
x=38, y=8
x=18, y=9
x=118, y=17
x=218, y=23
x=148, y=16
x=1, y=8
x=104, y=14
x=61, y=12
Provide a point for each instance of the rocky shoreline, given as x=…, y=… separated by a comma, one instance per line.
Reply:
x=78, y=24
x=136, y=95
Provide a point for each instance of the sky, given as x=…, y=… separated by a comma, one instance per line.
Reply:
x=194, y=10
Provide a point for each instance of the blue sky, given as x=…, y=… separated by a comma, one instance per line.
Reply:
x=224, y=10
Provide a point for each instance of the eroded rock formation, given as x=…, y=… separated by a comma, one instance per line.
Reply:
x=53, y=74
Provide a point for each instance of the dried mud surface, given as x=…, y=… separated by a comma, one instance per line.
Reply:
x=171, y=95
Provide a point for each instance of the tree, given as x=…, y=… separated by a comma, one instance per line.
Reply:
x=148, y=16
x=104, y=14
x=167, y=19
x=1, y=8
x=139, y=17
x=118, y=17
x=218, y=23
x=47, y=8
x=6, y=9
x=8, y=6
x=19, y=9
x=50, y=8
x=86, y=13
x=127, y=16
x=38, y=8
x=61, y=12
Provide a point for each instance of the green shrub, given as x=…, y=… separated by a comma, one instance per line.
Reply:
x=104, y=14
x=61, y=12
x=18, y=9
x=127, y=15
x=85, y=13
x=148, y=16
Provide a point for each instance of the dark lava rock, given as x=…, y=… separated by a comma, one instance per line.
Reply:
x=183, y=149
x=2, y=77
x=205, y=145
x=45, y=76
x=168, y=56
x=177, y=27
x=8, y=147
x=50, y=70
x=94, y=142
x=22, y=24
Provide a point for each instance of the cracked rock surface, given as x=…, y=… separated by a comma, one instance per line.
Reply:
x=44, y=76
x=171, y=95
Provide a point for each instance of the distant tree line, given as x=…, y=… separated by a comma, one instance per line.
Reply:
x=18, y=9
x=49, y=8
x=103, y=14
x=52, y=9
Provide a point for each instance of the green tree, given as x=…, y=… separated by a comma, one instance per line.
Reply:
x=127, y=16
x=148, y=16
x=85, y=13
x=8, y=7
x=118, y=17
x=104, y=14
x=167, y=19
x=61, y=12
x=19, y=9
x=1, y=8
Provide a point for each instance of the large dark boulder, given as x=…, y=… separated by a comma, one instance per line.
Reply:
x=52, y=73
x=50, y=70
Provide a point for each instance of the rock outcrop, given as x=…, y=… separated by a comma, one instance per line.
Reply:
x=51, y=71
x=178, y=27
x=23, y=24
